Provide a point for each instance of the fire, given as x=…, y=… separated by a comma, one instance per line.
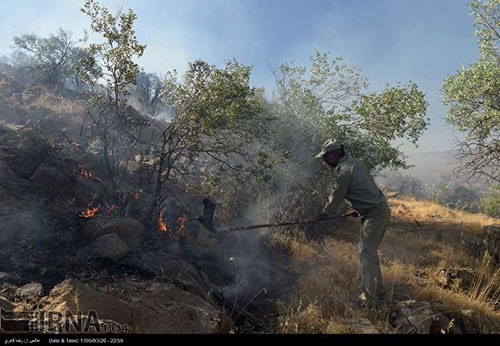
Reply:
x=90, y=212
x=163, y=225
x=84, y=172
x=181, y=222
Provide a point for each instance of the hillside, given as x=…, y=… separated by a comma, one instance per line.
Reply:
x=67, y=247
x=437, y=271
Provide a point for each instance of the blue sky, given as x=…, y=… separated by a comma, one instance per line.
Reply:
x=390, y=40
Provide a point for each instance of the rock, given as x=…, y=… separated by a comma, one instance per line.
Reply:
x=150, y=307
x=474, y=245
x=29, y=291
x=23, y=166
x=6, y=304
x=360, y=326
x=72, y=295
x=181, y=273
x=107, y=246
x=492, y=241
x=413, y=317
x=180, y=312
x=128, y=229
x=46, y=177
x=462, y=278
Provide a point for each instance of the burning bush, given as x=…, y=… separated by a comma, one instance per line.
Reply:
x=175, y=235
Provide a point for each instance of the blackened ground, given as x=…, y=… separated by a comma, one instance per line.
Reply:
x=248, y=279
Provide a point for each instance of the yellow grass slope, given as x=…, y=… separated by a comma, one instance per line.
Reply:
x=422, y=239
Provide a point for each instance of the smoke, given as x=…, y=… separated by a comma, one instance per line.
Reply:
x=297, y=190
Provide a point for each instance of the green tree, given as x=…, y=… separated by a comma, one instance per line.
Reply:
x=215, y=130
x=472, y=97
x=51, y=59
x=329, y=100
x=111, y=121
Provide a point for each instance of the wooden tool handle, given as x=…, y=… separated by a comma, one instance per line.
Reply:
x=279, y=224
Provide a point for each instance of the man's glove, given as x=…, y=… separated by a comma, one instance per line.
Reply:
x=352, y=213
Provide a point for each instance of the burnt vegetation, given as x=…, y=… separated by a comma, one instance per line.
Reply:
x=104, y=166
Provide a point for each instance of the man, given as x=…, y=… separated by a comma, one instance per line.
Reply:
x=356, y=184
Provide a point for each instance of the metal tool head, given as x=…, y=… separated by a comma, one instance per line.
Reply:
x=207, y=218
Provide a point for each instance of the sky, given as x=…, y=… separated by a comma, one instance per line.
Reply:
x=389, y=40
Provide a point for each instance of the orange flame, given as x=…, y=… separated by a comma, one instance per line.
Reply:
x=84, y=172
x=180, y=221
x=89, y=212
x=163, y=225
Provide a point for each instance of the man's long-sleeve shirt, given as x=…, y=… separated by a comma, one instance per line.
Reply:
x=354, y=183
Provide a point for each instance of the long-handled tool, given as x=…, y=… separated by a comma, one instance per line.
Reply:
x=208, y=215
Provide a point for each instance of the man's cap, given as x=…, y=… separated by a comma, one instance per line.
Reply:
x=329, y=145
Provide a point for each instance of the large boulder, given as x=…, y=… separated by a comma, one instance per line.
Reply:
x=128, y=229
x=415, y=317
x=145, y=307
x=181, y=273
x=73, y=296
x=24, y=166
x=107, y=246
x=461, y=278
x=46, y=177
x=30, y=291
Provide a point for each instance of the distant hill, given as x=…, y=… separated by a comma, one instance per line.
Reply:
x=429, y=168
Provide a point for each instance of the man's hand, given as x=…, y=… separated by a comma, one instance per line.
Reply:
x=352, y=213
x=314, y=219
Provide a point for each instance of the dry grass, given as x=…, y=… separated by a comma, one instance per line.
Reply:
x=58, y=105
x=423, y=237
